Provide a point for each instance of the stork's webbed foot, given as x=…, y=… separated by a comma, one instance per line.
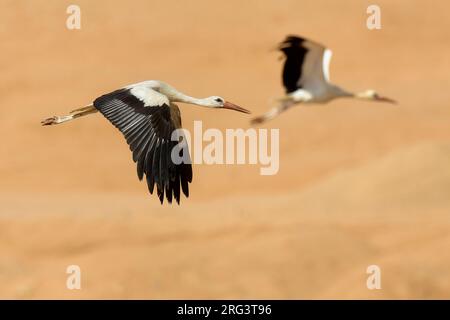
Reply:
x=258, y=120
x=50, y=121
x=55, y=120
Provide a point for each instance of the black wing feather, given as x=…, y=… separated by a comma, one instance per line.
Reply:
x=148, y=130
x=295, y=55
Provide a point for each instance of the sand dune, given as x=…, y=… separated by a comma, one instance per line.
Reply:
x=313, y=243
x=359, y=183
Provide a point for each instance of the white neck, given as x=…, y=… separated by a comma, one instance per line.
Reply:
x=181, y=97
x=173, y=94
x=368, y=94
x=339, y=92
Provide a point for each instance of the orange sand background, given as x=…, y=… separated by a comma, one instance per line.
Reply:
x=359, y=183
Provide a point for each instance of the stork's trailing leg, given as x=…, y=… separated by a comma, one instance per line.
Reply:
x=77, y=113
x=274, y=112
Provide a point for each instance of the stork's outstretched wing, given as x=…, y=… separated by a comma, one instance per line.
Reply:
x=147, y=119
x=306, y=65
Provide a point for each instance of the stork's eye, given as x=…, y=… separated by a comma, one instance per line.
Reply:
x=218, y=100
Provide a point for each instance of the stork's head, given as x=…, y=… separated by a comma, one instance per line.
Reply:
x=374, y=96
x=219, y=102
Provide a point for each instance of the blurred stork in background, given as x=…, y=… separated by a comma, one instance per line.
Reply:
x=306, y=78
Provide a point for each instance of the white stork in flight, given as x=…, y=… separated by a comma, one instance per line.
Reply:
x=146, y=114
x=306, y=78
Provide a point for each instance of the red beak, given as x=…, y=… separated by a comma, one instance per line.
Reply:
x=232, y=106
x=388, y=100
